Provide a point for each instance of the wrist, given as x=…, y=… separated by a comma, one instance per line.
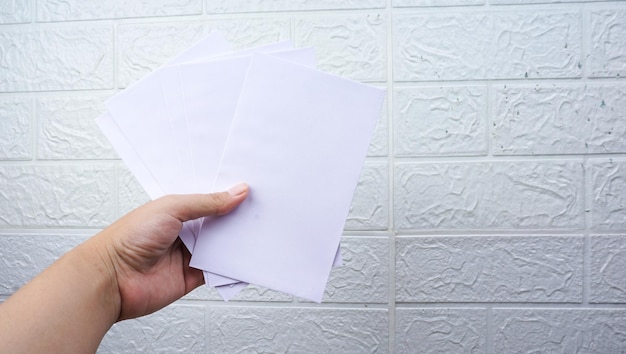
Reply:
x=98, y=259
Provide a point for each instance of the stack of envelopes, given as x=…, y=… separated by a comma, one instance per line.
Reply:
x=212, y=117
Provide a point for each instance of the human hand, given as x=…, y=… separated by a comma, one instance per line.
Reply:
x=132, y=268
x=149, y=263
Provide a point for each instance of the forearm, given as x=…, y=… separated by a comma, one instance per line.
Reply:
x=130, y=269
x=67, y=308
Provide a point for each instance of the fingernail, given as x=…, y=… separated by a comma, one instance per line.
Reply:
x=238, y=189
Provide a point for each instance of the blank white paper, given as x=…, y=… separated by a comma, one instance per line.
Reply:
x=299, y=139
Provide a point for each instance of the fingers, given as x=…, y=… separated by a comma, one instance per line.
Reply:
x=194, y=206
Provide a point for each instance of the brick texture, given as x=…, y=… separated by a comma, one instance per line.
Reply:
x=67, y=130
x=559, y=330
x=489, y=269
x=175, y=329
x=144, y=47
x=297, y=329
x=608, y=259
x=559, y=119
x=501, y=195
x=56, y=196
x=442, y=330
x=15, y=11
x=23, y=255
x=16, y=124
x=351, y=46
x=495, y=45
x=369, y=210
x=221, y=6
x=608, y=194
x=434, y=121
x=608, y=43
x=57, y=58
x=364, y=276
x=68, y=10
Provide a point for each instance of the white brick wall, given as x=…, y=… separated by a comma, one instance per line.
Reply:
x=490, y=216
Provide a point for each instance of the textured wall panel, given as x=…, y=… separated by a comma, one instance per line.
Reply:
x=607, y=56
x=250, y=293
x=493, y=45
x=68, y=10
x=408, y=3
x=370, y=204
x=222, y=6
x=441, y=330
x=24, y=255
x=435, y=121
x=364, y=276
x=489, y=269
x=503, y=195
x=608, y=194
x=350, y=45
x=559, y=119
x=68, y=130
x=559, y=330
x=15, y=11
x=275, y=329
x=260, y=294
x=69, y=57
x=53, y=196
x=144, y=47
x=130, y=194
x=519, y=2
x=608, y=261
x=175, y=329
x=16, y=128
x=379, y=145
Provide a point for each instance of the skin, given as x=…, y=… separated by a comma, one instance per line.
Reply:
x=134, y=267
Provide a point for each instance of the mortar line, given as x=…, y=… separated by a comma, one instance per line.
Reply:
x=562, y=304
x=489, y=120
x=507, y=8
x=390, y=158
x=115, y=58
x=34, y=120
x=489, y=329
x=511, y=81
x=586, y=286
x=503, y=158
x=207, y=326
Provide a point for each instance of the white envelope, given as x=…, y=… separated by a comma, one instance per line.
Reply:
x=165, y=113
x=211, y=92
x=213, y=44
x=157, y=153
x=299, y=138
x=175, y=103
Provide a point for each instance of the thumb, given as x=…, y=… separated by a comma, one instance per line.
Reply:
x=193, y=206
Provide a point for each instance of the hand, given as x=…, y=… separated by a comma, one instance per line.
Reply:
x=150, y=263
x=132, y=268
